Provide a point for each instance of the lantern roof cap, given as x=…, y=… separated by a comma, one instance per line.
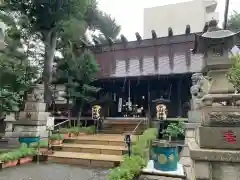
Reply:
x=215, y=32
x=219, y=34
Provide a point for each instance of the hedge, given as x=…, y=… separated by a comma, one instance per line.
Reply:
x=131, y=167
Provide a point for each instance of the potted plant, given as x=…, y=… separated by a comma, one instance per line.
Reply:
x=27, y=155
x=91, y=129
x=43, y=145
x=9, y=159
x=174, y=133
x=56, y=139
x=65, y=132
x=74, y=131
x=87, y=130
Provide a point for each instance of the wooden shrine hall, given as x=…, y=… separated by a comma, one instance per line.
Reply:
x=136, y=73
x=133, y=74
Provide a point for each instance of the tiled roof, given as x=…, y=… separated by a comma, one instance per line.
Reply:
x=150, y=60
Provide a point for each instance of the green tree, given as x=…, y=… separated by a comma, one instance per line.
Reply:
x=234, y=21
x=46, y=18
x=77, y=72
x=108, y=28
x=234, y=73
x=16, y=72
x=49, y=19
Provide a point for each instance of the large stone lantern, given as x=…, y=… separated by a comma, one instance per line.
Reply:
x=215, y=45
x=216, y=145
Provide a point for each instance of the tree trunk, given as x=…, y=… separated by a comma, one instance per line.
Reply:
x=50, y=41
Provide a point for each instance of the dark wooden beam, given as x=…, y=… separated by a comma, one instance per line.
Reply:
x=188, y=29
x=154, y=34
x=124, y=39
x=139, y=38
x=110, y=41
x=170, y=32
x=145, y=43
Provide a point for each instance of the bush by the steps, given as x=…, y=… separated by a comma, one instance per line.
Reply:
x=131, y=167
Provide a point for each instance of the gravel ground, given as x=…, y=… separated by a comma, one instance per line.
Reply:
x=52, y=172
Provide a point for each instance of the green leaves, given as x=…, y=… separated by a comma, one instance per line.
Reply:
x=234, y=73
x=9, y=101
x=16, y=73
x=132, y=166
x=175, y=129
x=234, y=21
x=77, y=73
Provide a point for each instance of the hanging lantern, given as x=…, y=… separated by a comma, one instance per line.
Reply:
x=161, y=110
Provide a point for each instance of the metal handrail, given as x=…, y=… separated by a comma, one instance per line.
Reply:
x=59, y=124
x=140, y=122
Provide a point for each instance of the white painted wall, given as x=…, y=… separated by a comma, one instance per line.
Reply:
x=178, y=16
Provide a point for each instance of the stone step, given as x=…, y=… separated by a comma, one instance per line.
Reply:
x=121, y=132
x=92, y=148
x=86, y=159
x=99, y=139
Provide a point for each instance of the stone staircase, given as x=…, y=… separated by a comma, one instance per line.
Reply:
x=100, y=150
x=124, y=125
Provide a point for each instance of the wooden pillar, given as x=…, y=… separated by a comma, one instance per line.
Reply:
x=179, y=92
x=149, y=106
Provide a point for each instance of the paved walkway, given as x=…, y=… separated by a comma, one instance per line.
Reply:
x=52, y=172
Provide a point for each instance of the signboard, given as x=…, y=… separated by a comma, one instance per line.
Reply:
x=96, y=112
x=50, y=123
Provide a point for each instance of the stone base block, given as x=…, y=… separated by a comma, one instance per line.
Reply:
x=35, y=107
x=211, y=164
x=224, y=116
x=29, y=123
x=42, y=134
x=219, y=137
x=194, y=116
x=34, y=116
x=29, y=128
x=216, y=155
x=185, y=152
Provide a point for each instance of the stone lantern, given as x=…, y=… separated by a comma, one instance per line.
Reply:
x=215, y=45
x=216, y=144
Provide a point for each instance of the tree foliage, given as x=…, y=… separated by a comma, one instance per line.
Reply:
x=77, y=73
x=234, y=21
x=16, y=71
x=234, y=73
x=51, y=18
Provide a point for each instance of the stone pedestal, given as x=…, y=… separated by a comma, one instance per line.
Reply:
x=212, y=164
x=214, y=151
x=194, y=116
x=190, y=131
x=9, y=120
x=33, y=120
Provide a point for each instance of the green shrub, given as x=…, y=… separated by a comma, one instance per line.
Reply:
x=89, y=129
x=42, y=144
x=174, y=129
x=64, y=130
x=132, y=166
x=75, y=130
x=56, y=137
x=25, y=152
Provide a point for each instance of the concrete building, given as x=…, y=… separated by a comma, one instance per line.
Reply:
x=194, y=13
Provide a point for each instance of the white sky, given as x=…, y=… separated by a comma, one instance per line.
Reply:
x=129, y=13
